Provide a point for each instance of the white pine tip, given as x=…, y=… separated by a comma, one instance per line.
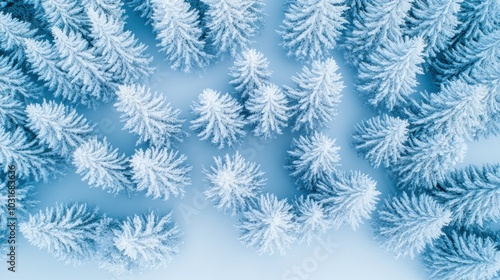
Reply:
x=253, y=56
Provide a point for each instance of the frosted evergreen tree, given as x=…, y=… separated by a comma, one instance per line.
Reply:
x=234, y=183
x=66, y=231
x=436, y=21
x=11, y=111
x=112, y=8
x=160, y=172
x=124, y=57
x=311, y=219
x=232, y=23
x=269, y=226
x=81, y=63
x=472, y=194
x=491, y=125
x=59, y=127
x=143, y=7
x=268, y=108
x=43, y=60
x=13, y=32
x=178, y=31
x=14, y=81
x=250, y=72
x=149, y=116
x=463, y=256
x=146, y=242
x=32, y=160
x=381, y=140
x=457, y=110
x=389, y=74
x=478, y=17
x=312, y=158
x=102, y=166
x=219, y=118
x=406, y=224
x=311, y=28
x=67, y=15
x=316, y=95
x=427, y=159
x=347, y=197
x=379, y=22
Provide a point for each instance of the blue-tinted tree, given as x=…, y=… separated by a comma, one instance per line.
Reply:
x=311, y=28
x=32, y=161
x=436, y=21
x=347, y=197
x=232, y=23
x=491, y=124
x=381, y=140
x=427, y=159
x=112, y=8
x=160, y=172
x=463, y=256
x=472, y=194
x=149, y=115
x=66, y=231
x=316, y=94
x=268, y=227
x=312, y=158
x=311, y=219
x=13, y=32
x=268, y=109
x=406, y=224
x=11, y=111
x=379, y=22
x=219, y=118
x=123, y=56
x=68, y=15
x=389, y=74
x=478, y=17
x=234, y=183
x=81, y=63
x=457, y=110
x=250, y=72
x=14, y=81
x=178, y=31
x=102, y=166
x=59, y=127
x=144, y=8
x=43, y=60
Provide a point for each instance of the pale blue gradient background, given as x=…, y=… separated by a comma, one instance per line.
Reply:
x=211, y=249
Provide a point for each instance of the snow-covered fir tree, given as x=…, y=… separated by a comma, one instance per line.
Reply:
x=67, y=15
x=478, y=17
x=81, y=63
x=389, y=74
x=311, y=28
x=457, y=110
x=219, y=118
x=149, y=115
x=436, y=21
x=234, y=183
x=250, y=71
x=160, y=172
x=112, y=8
x=178, y=31
x=32, y=161
x=66, y=231
x=102, y=166
x=11, y=111
x=59, y=127
x=232, y=23
x=269, y=226
x=491, y=124
x=14, y=81
x=381, y=140
x=463, y=256
x=311, y=219
x=427, y=159
x=379, y=22
x=312, y=158
x=13, y=32
x=122, y=54
x=268, y=109
x=472, y=194
x=43, y=60
x=347, y=197
x=143, y=7
x=407, y=223
x=147, y=241
x=316, y=94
